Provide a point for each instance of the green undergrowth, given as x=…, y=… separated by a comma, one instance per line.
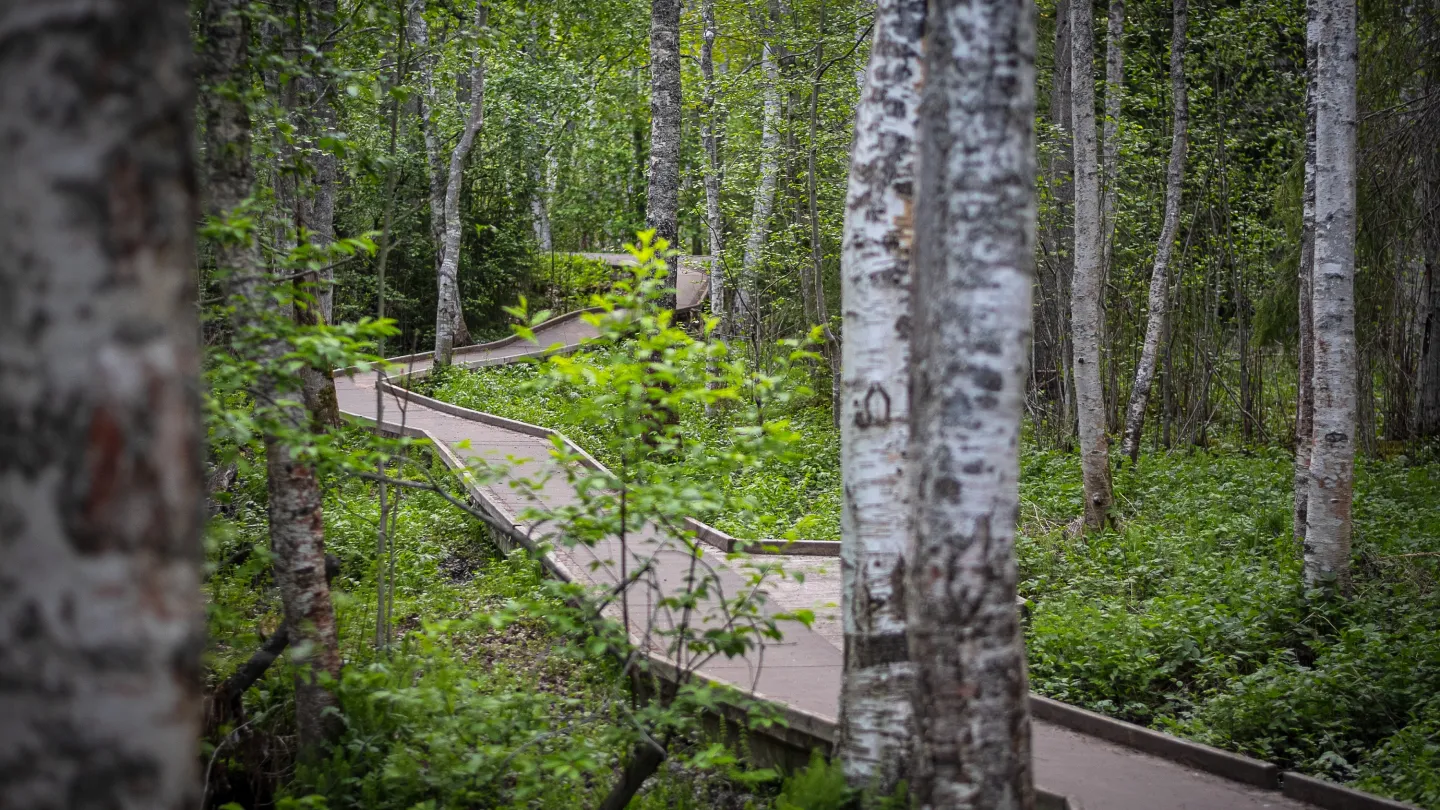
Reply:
x=1190, y=617
x=461, y=710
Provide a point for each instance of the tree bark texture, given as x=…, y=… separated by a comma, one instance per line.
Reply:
x=875, y=706
x=1086, y=287
x=714, y=221
x=974, y=264
x=1114, y=93
x=297, y=534
x=447, y=310
x=763, y=204
x=1305, y=383
x=101, y=482
x=662, y=192
x=1332, y=455
x=1428, y=415
x=1160, y=274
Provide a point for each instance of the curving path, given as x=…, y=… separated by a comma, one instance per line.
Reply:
x=803, y=672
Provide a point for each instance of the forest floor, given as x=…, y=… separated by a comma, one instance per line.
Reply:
x=1189, y=617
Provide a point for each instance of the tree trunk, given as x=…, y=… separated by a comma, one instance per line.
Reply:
x=540, y=210
x=875, y=705
x=297, y=531
x=1160, y=276
x=1086, y=287
x=714, y=222
x=831, y=347
x=448, y=310
x=1305, y=383
x=764, y=201
x=1055, y=386
x=1110, y=162
x=974, y=258
x=321, y=91
x=1332, y=457
x=101, y=496
x=662, y=194
x=1428, y=416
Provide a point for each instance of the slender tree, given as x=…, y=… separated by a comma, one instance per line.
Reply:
x=763, y=204
x=662, y=195
x=973, y=269
x=875, y=710
x=1155, y=324
x=101, y=621
x=1305, y=382
x=447, y=311
x=714, y=221
x=1114, y=94
x=1428, y=128
x=1086, y=289
x=1332, y=454
x=297, y=526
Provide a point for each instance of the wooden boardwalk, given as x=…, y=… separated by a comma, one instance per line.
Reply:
x=803, y=672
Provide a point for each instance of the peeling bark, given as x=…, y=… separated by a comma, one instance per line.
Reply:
x=1160, y=275
x=876, y=721
x=1332, y=455
x=662, y=194
x=1086, y=289
x=296, y=524
x=101, y=496
x=974, y=268
x=449, y=316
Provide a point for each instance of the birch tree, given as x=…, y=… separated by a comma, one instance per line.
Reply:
x=1332, y=454
x=763, y=203
x=973, y=268
x=1158, y=314
x=714, y=221
x=1086, y=288
x=1114, y=92
x=297, y=526
x=662, y=193
x=101, y=619
x=448, y=313
x=1305, y=382
x=875, y=712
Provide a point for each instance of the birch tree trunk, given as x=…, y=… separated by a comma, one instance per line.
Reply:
x=322, y=209
x=1305, y=383
x=540, y=210
x=1086, y=288
x=429, y=111
x=101, y=619
x=714, y=222
x=1332, y=455
x=297, y=528
x=1114, y=93
x=448, y=311
x=764, y=201
x=662, y=194
x=974, y=264
x=876, y=722
x=1160, y=275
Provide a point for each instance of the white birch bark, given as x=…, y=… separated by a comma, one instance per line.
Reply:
x=973, y=275
x=763, y=204
x=1305, y=386
x=448, y=311
x=540, y=210
x=1332, y=455
x=1114, y=92
x=101, y=618
x=662, y=189
x=714, y=222
x=1160, y=274
x=875, y=705
x=1086, y=289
